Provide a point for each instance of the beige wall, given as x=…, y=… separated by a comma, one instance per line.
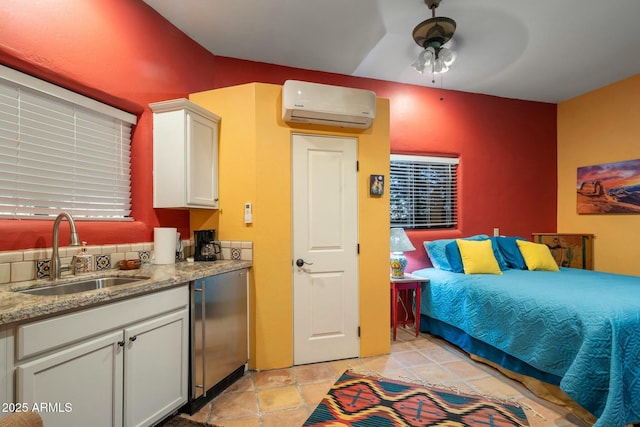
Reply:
x=602, y=126
x=255, y=166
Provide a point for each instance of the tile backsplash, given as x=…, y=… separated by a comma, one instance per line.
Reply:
x=30, y=264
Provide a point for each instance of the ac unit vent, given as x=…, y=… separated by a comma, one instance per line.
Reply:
x=305, y=102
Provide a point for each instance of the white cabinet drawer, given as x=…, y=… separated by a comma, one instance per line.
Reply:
x=48, y=334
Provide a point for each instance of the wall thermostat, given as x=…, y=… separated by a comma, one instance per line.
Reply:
x=248, y=218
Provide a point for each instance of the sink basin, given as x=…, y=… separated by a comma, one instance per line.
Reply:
x=82, y=286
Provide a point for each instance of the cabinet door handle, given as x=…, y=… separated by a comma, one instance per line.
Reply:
x=133, y=338
x=121, y=343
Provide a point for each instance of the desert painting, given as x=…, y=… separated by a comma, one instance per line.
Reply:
x=609, y=188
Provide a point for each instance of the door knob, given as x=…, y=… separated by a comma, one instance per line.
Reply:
x=300, y=262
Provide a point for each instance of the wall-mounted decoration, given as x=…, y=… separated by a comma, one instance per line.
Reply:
x=376, y=185
x=609, y=188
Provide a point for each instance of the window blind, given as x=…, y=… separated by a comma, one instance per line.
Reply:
x=61, y=151
x=423, y=191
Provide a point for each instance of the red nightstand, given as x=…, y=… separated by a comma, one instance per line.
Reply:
x=408, y=282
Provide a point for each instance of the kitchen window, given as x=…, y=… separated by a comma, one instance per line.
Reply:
x=61, y=151
x=423, y=191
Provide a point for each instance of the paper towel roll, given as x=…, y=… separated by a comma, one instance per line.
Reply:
x=164, y=244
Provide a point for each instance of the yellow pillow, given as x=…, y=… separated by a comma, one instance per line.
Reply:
x=537, y=256
x=477, y=257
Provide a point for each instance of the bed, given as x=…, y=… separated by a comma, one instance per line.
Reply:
x=577, y=329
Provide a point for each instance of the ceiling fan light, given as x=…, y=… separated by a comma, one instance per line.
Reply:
x=418, y=65
x=431, y=35
x=429, y=55
x=447, y=56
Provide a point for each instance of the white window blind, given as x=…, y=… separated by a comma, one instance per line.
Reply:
x=423, y=191
x=61, y=151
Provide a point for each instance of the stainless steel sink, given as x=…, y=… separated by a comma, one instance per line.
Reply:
x=81, y=286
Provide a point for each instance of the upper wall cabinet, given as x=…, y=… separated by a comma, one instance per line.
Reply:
x=185, y=155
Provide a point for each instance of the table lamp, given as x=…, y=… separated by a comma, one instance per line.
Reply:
x=399, y=243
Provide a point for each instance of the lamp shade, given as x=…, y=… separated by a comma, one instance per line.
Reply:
x=399, y=241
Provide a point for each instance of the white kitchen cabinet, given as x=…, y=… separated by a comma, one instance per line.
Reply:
x=121, y=364
x=6, y=366
x=83, y=382
x=185, y=155
x=156, y=367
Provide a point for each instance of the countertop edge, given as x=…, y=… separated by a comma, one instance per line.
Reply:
x=16, y=307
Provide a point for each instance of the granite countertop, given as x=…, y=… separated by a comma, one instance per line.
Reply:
x=18, y=307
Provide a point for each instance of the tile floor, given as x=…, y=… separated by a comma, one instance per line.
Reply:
x=286, y=397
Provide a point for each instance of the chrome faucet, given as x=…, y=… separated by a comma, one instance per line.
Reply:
x=74, y=240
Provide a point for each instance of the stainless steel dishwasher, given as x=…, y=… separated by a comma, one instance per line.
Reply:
x=219, y=335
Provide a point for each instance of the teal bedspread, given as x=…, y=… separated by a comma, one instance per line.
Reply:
x=582, y=326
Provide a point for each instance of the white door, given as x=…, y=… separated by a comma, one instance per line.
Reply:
x=325, y=237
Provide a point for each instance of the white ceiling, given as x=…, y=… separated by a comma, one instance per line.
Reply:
x=545, y=50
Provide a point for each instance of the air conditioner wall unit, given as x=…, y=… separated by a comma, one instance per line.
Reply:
x=305, y=102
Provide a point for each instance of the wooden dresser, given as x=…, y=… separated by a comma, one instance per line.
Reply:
x=573, y=250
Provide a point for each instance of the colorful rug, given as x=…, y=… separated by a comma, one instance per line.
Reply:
x=360, y=401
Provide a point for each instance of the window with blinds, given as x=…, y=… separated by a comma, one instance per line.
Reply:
x=423, y=191
x=61, y=151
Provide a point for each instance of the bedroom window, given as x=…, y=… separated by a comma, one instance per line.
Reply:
x=61, y=151
x=423, y=191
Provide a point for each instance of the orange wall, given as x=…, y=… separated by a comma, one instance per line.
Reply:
x=255, y=166
x=125, y=54
x=602, y=126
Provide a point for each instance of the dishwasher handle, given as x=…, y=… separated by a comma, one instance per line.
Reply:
x=203, y=311
x=199, y=383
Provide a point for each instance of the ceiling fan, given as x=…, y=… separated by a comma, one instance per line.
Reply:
x=432, y=34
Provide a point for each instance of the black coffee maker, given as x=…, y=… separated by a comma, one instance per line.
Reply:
x=206, y=249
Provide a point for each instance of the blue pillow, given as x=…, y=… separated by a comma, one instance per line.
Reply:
x=453, y=254
x=455, y=260
x=511, y=252
x=436, y=251
x=496, y=251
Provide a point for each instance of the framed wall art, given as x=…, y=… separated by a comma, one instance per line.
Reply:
x=376, y=185
x=609, y=188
